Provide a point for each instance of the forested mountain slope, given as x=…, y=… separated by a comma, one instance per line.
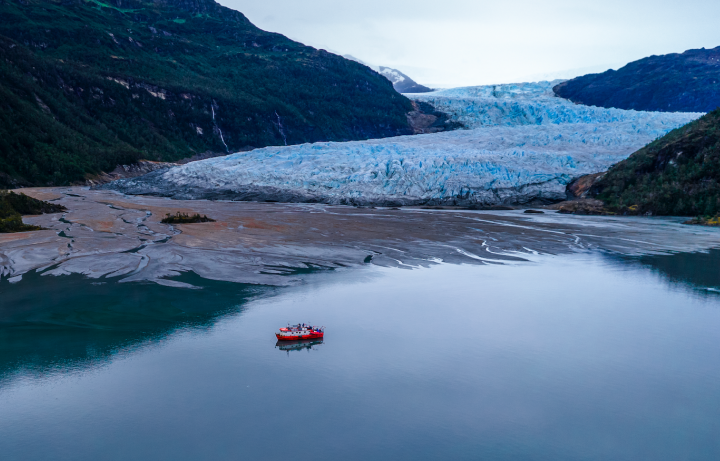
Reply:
x=679, y=174
x=678, y=82
x=86, y=85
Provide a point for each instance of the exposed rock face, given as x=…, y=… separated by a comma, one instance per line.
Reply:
x=133, y=170
x=582, y=206
x=580, y=187
x=425, y=119
x=686, y=82
x=526, y=146
x=143, y=167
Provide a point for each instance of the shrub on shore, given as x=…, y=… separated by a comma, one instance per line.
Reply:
x=705, y=221
x=184, y=218
x=13, y=206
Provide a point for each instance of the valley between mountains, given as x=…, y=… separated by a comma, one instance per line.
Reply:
x=207, y=106
x=505, y=271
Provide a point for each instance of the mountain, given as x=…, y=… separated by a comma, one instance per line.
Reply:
x=86, y=85
x=524, y=144
x=686, y=82
x=678, y=174
x=401, y=82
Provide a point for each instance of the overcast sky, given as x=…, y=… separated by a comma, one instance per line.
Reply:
x=471, y=42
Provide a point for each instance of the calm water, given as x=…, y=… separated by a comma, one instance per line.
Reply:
x=584, y=357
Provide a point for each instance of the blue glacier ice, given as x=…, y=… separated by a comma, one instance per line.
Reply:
x=523, y=144
x=528, y=104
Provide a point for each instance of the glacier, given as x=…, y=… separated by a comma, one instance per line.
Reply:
x=523, y=144
x=522, y=104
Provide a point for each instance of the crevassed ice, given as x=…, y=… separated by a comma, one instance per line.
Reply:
x=524, y=144
x=531, y=104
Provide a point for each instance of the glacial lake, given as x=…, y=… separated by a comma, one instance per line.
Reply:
x=589, y=356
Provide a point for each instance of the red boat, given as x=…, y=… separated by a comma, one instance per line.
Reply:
x=300, y=331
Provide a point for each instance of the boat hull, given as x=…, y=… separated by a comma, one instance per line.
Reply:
x=299, y=345
x=313, y=335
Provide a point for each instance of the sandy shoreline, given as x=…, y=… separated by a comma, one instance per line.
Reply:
x=107, y=234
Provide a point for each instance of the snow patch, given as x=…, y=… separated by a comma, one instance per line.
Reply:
x=392, y=75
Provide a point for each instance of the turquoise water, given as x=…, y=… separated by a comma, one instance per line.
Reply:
x=580, y=357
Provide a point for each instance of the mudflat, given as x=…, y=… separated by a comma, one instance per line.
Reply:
x=107, y=234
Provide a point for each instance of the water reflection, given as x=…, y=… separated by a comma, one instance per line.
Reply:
x=699, y=272
x=303, y=344
x=70, y=321
x=563, y=358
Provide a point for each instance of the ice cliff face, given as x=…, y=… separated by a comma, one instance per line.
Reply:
x=524, y=144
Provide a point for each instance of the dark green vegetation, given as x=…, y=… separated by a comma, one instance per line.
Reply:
x=686, y=82
x=678, y=174
x=13, y=206
x=87, y=85
x=184, y=218
x=713, y=221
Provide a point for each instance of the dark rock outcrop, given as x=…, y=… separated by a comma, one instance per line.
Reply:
x=581, y=206
x=134, y=170
x=580, y=187
x=424, y=118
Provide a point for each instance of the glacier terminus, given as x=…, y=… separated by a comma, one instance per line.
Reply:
x=522, y=144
